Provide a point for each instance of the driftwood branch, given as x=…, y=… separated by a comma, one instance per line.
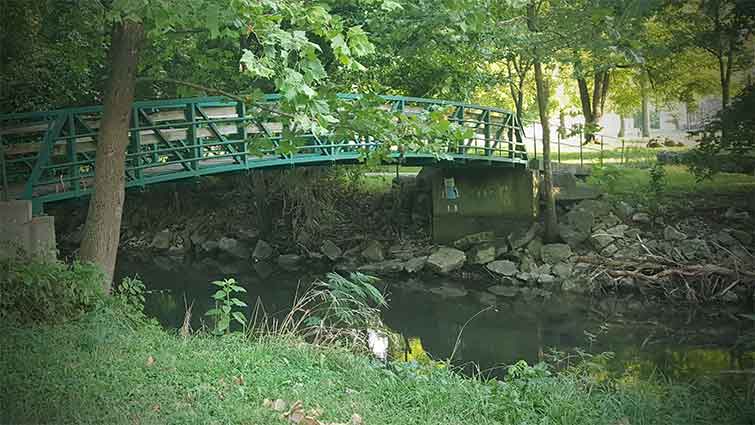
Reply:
x=697, y=281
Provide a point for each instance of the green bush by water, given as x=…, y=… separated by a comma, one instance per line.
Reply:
x=47, y=292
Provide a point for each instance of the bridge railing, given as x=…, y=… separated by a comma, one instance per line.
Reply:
x=50, y=156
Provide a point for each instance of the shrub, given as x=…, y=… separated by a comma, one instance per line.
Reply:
x=35, y=292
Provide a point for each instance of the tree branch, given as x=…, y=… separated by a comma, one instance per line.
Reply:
x=214, y=90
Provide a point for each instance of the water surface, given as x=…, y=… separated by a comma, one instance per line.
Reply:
x=647, y=337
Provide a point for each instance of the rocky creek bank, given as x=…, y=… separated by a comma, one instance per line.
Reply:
x=606, y=245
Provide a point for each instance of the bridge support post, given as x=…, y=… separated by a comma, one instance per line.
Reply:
x=24, y=236
x=471, y=200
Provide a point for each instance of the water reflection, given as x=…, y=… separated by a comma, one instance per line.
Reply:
x=680, y=342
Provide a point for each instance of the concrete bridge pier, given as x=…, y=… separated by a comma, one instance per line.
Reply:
x=22, y=235
x=470, y=200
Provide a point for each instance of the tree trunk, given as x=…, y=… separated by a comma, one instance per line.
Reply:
x=645, y=106
x=622, y=126
x=551, y=222
x=593, y=105
x=103, y=225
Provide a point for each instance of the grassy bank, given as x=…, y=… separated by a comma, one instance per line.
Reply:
x=678, y=180
x=99, y=369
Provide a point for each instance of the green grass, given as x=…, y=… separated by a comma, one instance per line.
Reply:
x=631, y=155
x=95, y=370
x=680, y=181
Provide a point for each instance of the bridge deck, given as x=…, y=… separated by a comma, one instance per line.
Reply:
x=49, y=156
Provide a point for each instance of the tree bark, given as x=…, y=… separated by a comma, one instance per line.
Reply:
x=551, y=221
x=593, y=105
x=103, y=225
x=622, y=126
x=645, y=105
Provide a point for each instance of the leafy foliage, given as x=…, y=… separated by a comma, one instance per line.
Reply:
x=130, y=295
x=47, y=292
x=730, y=136
x=225, y=302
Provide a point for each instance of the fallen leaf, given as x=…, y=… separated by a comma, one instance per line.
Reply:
x=238, y=380
x=279, y=405
x=356, y=419
x=623, y=421
x=150, y=361
x=156, y=408
x=267, y=403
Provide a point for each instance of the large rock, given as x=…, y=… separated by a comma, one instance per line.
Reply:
x=519, y=238
x=533, y=248
x=446, y=260
x=555, y=252
x=733, y=214
x=671, y=234
x=694, y=249
x=576, y=226
x=162, y=240
x=373, y=252
x=209, y=246
x=617, y=230
x=415, y=265
x=601, y=240
x=562, y=270
x=597, y=207
x=743, y=237
x=330, y=250
x=233, y=247
x=384, y=267
x=527, y=263
x=545, y=279
x=476, y=238
x=641, y=217
x=503, y=290
x=724, y=238
x=503, y=267
x=289, y=261
x=624, y=210
x=481, y=254
x=263, y=250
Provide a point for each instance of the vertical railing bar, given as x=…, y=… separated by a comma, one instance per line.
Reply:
x=241, y=112
x=73, y=170
x=196, y=150
x=136, y=140
x=3, y=164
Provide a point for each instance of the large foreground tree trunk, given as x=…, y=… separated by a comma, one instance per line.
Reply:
x=551, y=222
x=103, y=225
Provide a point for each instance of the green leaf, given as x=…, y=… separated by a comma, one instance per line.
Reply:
x=238, y=302
x=238, y=288
x=226, y=309
x=390, y=6
x=219, y=295
x=212, y=312
x=239, y=317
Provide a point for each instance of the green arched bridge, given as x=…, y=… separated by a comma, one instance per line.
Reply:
x=50, y=156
